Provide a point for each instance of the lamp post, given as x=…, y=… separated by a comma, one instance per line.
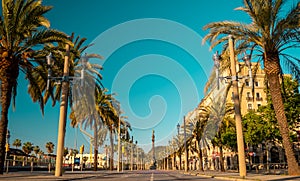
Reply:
x=153, y=148
x=237, y=109
x=62, y=115
x=131, y=158
x=65, y=79
x=137, y=155
x=119, y=146
x=7, y=149
x=185, y=147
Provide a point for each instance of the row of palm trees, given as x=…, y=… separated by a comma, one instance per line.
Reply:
x=269, y=37
x=28, y=147
x=25, y=40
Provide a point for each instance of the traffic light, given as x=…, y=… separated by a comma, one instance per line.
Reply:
x=81, y=149
x=298, y=135
x=7, y=147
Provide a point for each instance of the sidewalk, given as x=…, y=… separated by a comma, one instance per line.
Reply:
x=43, y=175
x=250, y=176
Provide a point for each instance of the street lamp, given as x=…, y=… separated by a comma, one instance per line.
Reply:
x=137, y=155
x=131, y=159
x=119, y=146
x=185, y=147
x=237, y=109
x=178, y=127
x=65, y=79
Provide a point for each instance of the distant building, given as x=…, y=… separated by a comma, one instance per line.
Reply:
x=87, y=159
x=251, y=98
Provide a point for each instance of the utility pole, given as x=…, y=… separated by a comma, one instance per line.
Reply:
x=237, y=110
x=62, y=115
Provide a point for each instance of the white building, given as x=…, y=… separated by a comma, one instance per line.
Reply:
x=87, y=160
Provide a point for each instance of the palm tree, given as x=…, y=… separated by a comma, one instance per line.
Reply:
x=179, y=140
x=22, y=27
x=199, y=125
x=17, y=143
x=36, y=150
x=269, y=35
x=221, y=115
x=50, y=147
x=27, y=148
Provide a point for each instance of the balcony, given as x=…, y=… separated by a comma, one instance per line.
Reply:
x=259, y=98
x=248, y=98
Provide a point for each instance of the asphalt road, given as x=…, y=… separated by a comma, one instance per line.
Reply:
x=152, y=175
x=148, y=175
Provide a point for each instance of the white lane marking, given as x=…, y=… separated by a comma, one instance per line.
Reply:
x=151, y=178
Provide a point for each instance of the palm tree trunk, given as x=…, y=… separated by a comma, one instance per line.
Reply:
x=111, y=164
x=222, y=159
x=272, y=70
x=180, y=161
x=95, y=148
x=200, y=156
x=8, y=74
x=200, y=160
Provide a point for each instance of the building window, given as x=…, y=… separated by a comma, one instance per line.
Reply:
x=258, y=97
x=258, y=105
x=250, y=106
x=256, y=83
x=247, y=83
x=248, y=94
x=249, y=97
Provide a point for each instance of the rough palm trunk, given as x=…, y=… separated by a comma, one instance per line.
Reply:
x=111, y=163
x=180, y=168
x=9, y=72
x=272, y=69
x=95, y=148
x=200, y=160
x=222, y=159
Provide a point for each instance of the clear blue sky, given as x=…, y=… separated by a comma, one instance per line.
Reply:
x=154, y=61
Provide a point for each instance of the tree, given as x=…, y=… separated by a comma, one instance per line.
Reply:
x=261, y=125
x=36, y=150
x=23, y=26
x=27, y=147
x=199, y=125
x=50, y=147
x=268, y=35
x=179, y=140
x=17, y=143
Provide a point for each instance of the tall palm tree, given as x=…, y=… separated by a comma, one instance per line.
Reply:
x=80, y=94
x=17, y=143
x=36, y=150
x=27, y=148
x=224, y=121
x=179, y=140
x=199, y=125
x=22, y=27
x=268, y=35
x=98, y=116
x=50, y=147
